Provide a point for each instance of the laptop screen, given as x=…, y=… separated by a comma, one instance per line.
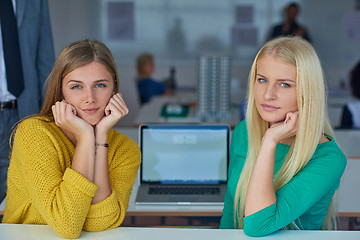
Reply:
x=184, y=154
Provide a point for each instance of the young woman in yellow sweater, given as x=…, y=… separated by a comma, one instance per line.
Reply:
x=69, y=169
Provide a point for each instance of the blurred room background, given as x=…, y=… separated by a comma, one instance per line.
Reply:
x=177, y=32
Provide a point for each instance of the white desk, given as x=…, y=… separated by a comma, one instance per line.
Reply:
x=44, y=232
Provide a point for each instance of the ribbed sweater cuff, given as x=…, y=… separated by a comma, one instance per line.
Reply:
x=105, y=207
x=79, y=182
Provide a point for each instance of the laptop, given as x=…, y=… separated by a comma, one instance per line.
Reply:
x=183, y=164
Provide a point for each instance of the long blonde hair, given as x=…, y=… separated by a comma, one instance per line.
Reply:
x=312, y=123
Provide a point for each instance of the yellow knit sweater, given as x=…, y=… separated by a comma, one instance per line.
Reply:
x=43, y=189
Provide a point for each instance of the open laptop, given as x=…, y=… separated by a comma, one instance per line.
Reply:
x=183, y=164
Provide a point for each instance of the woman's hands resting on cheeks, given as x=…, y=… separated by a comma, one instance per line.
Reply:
x=260, y=193
x=91, y=160
x=74, y=127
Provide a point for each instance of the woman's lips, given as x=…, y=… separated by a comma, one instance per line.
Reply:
x=269, y=108
x=90, y=110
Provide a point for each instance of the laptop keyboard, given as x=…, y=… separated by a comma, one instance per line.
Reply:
x=185, y=190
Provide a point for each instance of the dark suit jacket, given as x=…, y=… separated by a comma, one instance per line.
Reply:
x=37, y=52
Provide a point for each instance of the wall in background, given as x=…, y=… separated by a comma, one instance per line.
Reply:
x=176, y=32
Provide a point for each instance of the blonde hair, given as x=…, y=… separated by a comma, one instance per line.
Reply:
x=73, y=56
x=312, y=123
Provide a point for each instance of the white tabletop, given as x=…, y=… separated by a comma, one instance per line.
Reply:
x=44, y=232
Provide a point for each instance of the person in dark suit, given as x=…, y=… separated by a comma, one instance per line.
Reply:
x=290, y=26
x=36, y=61
x=351, y=112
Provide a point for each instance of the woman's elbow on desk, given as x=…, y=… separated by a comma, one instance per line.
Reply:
x=261, y=223
x=109, y=222
x=105, y=215
x=254, y=231
x=69, y=233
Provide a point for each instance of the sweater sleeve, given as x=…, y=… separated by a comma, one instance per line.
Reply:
x=61, y=195
x=319, y=177
x=124, y=162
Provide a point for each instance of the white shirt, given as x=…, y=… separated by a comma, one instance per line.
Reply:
x=5, y=95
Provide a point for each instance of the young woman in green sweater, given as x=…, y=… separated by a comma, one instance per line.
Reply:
x=284, y=163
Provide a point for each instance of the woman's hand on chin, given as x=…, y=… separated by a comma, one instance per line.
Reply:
x=65, y=118
x=284, y=130
x=114, y=111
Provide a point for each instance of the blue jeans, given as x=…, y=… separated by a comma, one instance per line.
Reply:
x=8, y=118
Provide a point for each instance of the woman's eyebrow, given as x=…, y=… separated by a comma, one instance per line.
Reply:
x=102, y=80
x=258, y=74
x=281, y=79
x=286, y=80
x=73, y=81
x=96, y=81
